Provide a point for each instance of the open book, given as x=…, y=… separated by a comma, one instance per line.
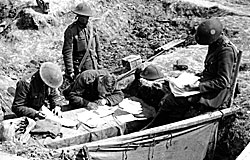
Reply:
x=177, y=84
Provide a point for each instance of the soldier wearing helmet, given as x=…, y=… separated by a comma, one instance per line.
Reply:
x=151, y=72
x=215, y=80
x=146, y=85
x=93, y=88
x=34, y=92
x=81, y=48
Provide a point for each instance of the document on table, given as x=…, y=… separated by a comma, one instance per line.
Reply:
x=105, y=110
x=93, y=118
x=131, y=106
x=177, y=85
x=89, y=118
x=63, y=121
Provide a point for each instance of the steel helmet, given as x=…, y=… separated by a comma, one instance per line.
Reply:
x=83, y=9
x=151, y=72
x=51, y=74
x=208, y=31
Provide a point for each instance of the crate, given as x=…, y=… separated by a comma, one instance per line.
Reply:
x=131, y=62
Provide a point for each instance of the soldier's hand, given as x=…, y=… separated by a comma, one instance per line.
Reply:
x=92, y=106
x=192, y=87
x=39, y=115
x=57, y=111
x=101, y=102
x=72, y=76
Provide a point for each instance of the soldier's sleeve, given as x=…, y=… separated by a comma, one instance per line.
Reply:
x=98, y=47
x=75, y=91
x=224, y=72
x=67, y=51
x=20, y=104
x=53, y=98
x=115, y=98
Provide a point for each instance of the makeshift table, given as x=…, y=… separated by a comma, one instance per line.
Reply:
x=110, y=126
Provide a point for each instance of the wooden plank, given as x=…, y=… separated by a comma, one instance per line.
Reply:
x=245, y=154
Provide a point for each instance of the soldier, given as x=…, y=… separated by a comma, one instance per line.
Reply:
x=150, y=94
x=215, y=80
x=81, y=48
x=32, y=93
x=92, y=88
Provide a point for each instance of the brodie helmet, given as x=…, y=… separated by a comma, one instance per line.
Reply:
x=83, y=9
x=208, y=31
x=151, y=72
x=51, y=74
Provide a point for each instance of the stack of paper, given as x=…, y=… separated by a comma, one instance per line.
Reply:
x=131, y=106
x=178, y=84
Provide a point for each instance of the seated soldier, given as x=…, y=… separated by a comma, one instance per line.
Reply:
x=93, y=88
x=215, y=80
x=33, y=92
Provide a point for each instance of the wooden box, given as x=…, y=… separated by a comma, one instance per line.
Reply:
x=132, y=61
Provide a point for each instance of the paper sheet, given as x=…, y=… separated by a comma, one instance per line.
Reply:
x=104, y=111
x=177, y=84
x=63, y=121
x=89, y=118
x=93, y=118
x=131, y=106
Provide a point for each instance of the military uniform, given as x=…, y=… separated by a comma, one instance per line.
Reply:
x=214, y=86
x=76, y=40
x=84, y=90
x=217, y=76
x=31, y=94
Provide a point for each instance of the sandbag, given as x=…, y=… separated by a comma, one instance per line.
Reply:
x=46, y=127
x=16, y=130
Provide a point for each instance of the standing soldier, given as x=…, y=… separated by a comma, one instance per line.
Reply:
x=81, y=48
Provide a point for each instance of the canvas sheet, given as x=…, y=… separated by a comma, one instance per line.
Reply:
x=193, y=145
x=111, y=125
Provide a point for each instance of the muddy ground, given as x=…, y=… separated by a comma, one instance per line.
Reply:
x=127, y=27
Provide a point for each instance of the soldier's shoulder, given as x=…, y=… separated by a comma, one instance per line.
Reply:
x=71, y=26
x=24, y=81
x=27, y=78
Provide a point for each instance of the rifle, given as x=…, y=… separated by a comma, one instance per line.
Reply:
x=163, y=48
